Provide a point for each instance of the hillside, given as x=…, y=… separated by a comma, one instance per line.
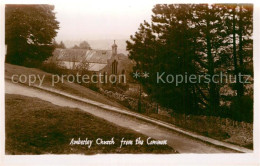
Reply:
x=72, y=88
x=34, y=126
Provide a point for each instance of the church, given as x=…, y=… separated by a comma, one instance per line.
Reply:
x=98, y=62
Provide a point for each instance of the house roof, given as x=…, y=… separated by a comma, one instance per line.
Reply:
x=97, y=59
x=79, y=55
x=96, y=66
x=73, y=55
x=98, y=56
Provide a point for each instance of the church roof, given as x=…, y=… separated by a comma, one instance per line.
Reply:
x=98, y=56
x=97, y=59
x=79, y=55
x=96, y=66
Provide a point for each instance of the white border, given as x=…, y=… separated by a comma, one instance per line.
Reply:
x=177, y=159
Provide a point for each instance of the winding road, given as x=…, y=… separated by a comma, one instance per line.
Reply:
x=180, y=142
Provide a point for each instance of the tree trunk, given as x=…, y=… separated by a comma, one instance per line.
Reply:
x=240, y=53
x=213, y=101
x=235, y=52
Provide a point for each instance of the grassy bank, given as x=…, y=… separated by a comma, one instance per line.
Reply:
x=67, y=87
x=34, y=126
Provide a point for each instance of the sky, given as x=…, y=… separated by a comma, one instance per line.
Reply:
x=96, y=20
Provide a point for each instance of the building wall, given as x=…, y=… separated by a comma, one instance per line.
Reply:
x=124, y=66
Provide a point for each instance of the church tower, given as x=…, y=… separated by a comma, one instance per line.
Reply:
x=114, y=48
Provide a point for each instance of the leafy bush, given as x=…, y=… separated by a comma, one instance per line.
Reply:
x=53, y=68
x=93, y=87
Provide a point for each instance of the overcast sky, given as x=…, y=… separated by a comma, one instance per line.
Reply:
x=107, y=20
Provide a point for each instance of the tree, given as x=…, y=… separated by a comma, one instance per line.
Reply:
x=208, y=22
x=56, y=45
x=193, y=39
x=75, y=46
x=239, y=19
x=245, y=30
x=84, y=45
x=30, y=30
x=62, y=45
x=165, y=46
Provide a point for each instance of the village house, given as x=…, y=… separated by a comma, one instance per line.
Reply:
x=104, y=62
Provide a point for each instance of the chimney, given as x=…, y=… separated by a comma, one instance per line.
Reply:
x=114, y=48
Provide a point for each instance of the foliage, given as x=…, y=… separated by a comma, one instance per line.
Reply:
x=61, y=45
x=193, y=39
x=75, y=46
x=30, y=30
x=82, y=45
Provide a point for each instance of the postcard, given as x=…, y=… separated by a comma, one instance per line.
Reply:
x=86, y=81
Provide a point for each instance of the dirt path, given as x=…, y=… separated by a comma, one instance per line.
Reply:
x=180, y=142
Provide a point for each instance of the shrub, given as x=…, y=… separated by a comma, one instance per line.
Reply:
x=54, y=68
x=93, y=87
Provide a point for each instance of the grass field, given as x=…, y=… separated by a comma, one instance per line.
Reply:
x=34, y=126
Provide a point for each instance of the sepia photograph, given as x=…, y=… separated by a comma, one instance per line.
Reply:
x=117, y=78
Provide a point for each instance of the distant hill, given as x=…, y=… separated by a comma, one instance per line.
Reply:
x=100, y=44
